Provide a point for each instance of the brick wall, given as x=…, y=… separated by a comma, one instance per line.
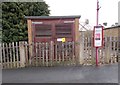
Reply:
x=112, y=31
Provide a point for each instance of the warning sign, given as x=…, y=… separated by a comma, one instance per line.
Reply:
x=98, y=36
x=63, y=39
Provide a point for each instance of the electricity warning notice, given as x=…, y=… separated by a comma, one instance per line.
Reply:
x=98, y=36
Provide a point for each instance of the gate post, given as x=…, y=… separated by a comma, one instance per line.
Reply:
x=77, y=44
x=22, y=54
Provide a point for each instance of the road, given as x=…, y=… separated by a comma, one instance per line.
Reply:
x=66, y=74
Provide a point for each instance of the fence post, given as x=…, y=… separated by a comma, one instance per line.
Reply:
x=22, y=54
x=26, y=53
x=51, y=53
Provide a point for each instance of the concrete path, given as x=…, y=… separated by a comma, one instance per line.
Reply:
x=68, y=74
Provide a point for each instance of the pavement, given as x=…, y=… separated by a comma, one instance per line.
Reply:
x=65, y=74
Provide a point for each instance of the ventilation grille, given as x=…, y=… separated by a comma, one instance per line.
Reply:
x=63, y=30
x=43, y=31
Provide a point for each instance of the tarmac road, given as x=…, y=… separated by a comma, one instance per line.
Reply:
x=66, y=74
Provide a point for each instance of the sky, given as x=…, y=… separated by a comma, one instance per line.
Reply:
x=87, y=9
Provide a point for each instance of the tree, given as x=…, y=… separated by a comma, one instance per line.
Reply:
x=14, y=24
x=0, y=22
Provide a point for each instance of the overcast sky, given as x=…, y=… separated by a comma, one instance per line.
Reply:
x=87, y=9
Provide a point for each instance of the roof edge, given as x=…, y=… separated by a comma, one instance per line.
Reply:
x=52, y=17
x=112, y=27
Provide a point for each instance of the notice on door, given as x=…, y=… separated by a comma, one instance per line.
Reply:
x=61, y=39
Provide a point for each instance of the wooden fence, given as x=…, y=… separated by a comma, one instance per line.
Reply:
x=16, y=55
x=11, y=55
x=107, y=54
x=50, y=54
x=21, y=54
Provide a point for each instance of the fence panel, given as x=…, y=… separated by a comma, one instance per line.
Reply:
x=10, y=55
x=107, y=54
x=21, y=54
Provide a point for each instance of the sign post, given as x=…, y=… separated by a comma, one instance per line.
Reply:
x=98, y=39
x=97, y=36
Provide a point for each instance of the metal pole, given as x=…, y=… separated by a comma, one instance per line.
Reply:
x=97, y=19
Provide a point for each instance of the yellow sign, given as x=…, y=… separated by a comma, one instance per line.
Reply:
x=63, y=39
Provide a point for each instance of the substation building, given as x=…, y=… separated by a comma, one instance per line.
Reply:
x=53, y=28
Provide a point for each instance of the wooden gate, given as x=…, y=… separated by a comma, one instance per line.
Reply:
x=65, y=53
x=51, y=54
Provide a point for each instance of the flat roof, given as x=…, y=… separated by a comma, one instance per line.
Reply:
x=112, y=27
x=52, y=17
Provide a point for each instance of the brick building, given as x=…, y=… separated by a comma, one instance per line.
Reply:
x=112, y=31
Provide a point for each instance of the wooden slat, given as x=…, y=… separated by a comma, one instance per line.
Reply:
x=92, y=51
x=26, y=53
x=11, y=65
x=66, y=52
x=7, y=55
x=30, y=53
x=73, y=50
x=62, y=52
x=1, y=50
x=52, y=53
x=36, y=54
x=14, y=63
x=69, y=51
x=17, y=56
x=4, y=64
x=56, y=52
x=40, y=53
x=43, y=53
x=46, y=44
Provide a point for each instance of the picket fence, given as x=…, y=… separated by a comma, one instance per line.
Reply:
x=21, y=54
x=107, y=54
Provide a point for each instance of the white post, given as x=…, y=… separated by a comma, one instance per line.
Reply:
x=22, y=54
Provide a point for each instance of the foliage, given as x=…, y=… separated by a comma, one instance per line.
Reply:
x=14, y=24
